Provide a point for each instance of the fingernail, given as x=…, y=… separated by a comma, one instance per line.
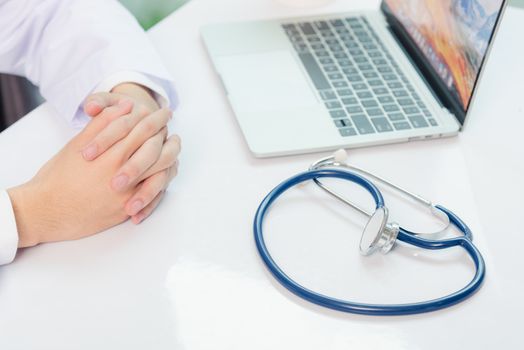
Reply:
x=93, y=104
x=136, y=206
x=89, y=153
x=138, y=218
x=120, y=182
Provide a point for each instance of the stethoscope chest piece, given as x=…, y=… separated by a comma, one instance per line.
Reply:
x=378, y=235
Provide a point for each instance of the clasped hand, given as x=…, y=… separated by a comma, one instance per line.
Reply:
x=117, y=168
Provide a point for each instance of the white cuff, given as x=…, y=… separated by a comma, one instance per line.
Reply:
x=160, y=93
x=8, y=231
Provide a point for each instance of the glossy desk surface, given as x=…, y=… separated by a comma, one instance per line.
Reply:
x=190, y=277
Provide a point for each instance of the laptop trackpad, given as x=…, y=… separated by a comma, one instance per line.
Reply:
x=266, y=81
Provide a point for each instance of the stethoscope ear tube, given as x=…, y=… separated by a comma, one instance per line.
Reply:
x=403, y=235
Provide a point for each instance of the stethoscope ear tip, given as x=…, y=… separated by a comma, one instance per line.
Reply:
x=340, y=156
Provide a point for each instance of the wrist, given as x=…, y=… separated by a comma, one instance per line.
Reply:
x=138, y=93
x=29, y=219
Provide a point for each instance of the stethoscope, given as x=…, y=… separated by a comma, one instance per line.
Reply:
x=378, y=235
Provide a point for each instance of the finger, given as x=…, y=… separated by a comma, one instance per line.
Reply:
x=167, y=159
x=148, y=190
x=144, y=130
x=140, y=162
x=95, y=103
x=104, y=119
x=144, y=213
x=118, y=128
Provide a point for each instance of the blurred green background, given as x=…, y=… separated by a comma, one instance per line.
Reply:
x=149, y=12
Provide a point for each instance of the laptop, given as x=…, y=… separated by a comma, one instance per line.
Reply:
x=408, y=71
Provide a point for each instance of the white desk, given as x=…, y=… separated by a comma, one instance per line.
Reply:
x=190, y=276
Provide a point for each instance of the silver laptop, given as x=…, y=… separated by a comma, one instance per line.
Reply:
x=406, y=72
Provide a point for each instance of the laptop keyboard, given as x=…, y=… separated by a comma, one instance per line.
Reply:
x=360, y=83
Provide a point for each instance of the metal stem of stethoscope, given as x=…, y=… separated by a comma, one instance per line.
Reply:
x=338, y=160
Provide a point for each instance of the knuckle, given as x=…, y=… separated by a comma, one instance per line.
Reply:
x=132, y=170
x=148, y=127
x=142, y=110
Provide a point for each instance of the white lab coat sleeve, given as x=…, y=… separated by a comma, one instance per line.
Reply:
x=67, y=47
x=8, y=231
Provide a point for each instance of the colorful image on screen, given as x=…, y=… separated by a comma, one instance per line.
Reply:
x=453, y=35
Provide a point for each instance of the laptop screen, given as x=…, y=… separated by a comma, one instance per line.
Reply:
x=452, y=35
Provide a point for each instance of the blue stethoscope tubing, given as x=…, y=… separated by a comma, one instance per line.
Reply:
x=404, y=235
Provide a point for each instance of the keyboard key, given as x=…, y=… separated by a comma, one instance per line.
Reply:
x=418, y=121
x=314, y=71
x=318, y=47
x=362, y=124
x=332, y=41
x=360, y=86
x=340, y=55
x=322, y=53
x=391, y=108
x=307, y=28
x=313, y=39
x=326, y=61
x=381, y=124
x=338, y=113
x=370, y=75
x=374, y=112
x=322, y=25
x=380, y=91
x=342, y=123
x=433, y=122
x=336, y=48
x=421, y=104
x=360, y=59
x=342, y=31
x=394, y=85
x=328, y=95
x=372, y=54
x=333, y=104
x=386, y=99
x=364, y=94
x=426, y=112
x=411, y=110
x=345, y=92
x=350, y=44
x=396, y=116
x=389, y=77
x=340, y=84
x=349, y=101
x=337, y=23
x=345, y=63
x=301, y=47
x=384, y=69
x=402, y=125
x=349, y=70
x=406, y=102
x=347, y=132
x=369, y=103
x=354, y=78
x=354, y=109
x=335, y=76
x=375, y=83
x=331, y=69
x=365, y=67
x=356, y=52
x=400, y=93
x=380, y=62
